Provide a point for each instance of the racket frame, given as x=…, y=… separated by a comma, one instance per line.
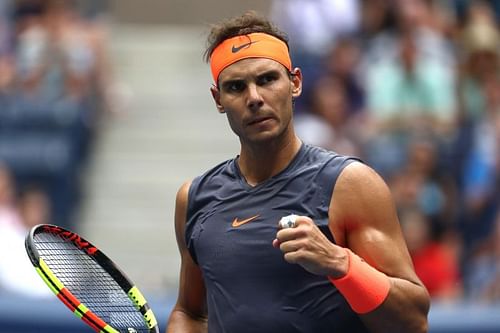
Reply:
x=72, y=302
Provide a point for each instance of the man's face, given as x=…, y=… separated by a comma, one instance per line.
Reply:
x=256, y=94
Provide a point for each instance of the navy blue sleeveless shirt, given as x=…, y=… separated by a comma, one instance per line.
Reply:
x=229, y=232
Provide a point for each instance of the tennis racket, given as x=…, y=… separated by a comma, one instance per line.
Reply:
x=88, y=282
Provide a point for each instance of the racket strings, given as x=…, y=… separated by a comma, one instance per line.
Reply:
x=89, y=282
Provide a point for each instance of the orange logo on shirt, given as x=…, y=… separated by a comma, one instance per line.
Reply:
x=237, y=223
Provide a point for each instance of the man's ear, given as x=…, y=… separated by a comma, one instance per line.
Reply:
x=216, y=96
x=296, y=82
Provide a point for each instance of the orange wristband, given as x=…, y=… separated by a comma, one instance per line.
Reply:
x=364, y=287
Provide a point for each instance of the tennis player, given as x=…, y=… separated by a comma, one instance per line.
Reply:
x=340, y=265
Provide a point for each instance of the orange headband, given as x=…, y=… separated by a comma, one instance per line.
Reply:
x=254, y=45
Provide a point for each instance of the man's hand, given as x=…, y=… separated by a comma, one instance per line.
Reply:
x=307, y=246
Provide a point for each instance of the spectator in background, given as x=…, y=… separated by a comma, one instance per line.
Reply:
x=34, y=206
x=328, y=123
x=430, y=22
x=58, y=48
x=6, y=58
x=313, y=28
x=324, y=20
x=383, y=22
x=52, y=93
x=17, y=276
x=461, y=8
x=376, y=31
x=334, y=104
x=422, y=182
x=7, y=74
x=377, y=18
x=483, y=269
x=342, y=62
x=408, y=74
x=412, y=96
x=479, y=42
x=426, y=198
x=478, y=147
x=7, y=71
x=81, y=44
x=413, y=92
x=5, y=27
x=8, y=213
x=436, y=264
x=95, y=10
x=31, y=49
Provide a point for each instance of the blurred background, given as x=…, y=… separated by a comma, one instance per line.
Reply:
x=105, y=111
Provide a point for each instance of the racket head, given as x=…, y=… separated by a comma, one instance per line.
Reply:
x=88, y=282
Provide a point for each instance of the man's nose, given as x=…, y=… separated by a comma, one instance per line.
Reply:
x=255, y=100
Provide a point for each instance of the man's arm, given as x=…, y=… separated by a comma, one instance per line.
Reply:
x=362, y=217
x=189, y=313
x=362, y=206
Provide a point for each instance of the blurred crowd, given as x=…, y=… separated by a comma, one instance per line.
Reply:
x=54, y=83
x=413, y=88
x=410, y=86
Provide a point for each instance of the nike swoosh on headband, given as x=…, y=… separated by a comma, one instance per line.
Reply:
x=236, y=49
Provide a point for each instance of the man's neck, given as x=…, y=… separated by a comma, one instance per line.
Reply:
x=258, y=163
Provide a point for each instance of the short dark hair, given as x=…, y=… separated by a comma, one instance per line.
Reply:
x=247, y=23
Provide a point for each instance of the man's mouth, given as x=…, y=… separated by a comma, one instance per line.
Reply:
x=258, y=120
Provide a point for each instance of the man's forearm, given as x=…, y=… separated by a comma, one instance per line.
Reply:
x=182, y=322
x=404, y=310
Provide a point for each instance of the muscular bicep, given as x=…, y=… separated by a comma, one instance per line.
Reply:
x=363, y=215
x=191, y=298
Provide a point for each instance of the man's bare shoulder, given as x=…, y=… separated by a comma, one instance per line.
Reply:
x=359, y=177
x=361, y=197
x=183, y=191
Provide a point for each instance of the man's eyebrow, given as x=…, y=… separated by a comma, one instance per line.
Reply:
x=269, y=72
x=227, y=83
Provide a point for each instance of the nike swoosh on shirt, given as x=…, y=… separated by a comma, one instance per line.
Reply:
x=235, y=49
x=237, y=223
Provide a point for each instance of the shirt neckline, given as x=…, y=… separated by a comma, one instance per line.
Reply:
x=264, y=183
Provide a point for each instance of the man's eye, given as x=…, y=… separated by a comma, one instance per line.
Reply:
x=266, y=79
x=235, y=86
